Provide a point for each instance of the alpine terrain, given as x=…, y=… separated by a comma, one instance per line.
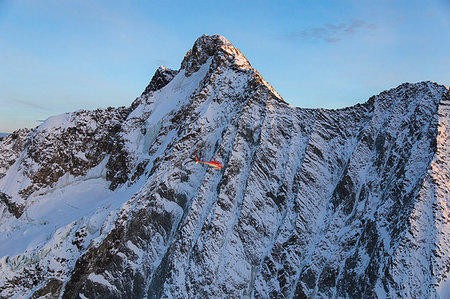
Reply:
x=310, y=203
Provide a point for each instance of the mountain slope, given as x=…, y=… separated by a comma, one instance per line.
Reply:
x=311, y=202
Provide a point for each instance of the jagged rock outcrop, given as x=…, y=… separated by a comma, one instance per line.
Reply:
x=161, y=78
x=340, y=203
x=12, y=146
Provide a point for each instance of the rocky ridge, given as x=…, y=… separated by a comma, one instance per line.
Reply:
x=340, y=203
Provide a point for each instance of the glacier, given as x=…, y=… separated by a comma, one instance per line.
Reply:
x=311, y=203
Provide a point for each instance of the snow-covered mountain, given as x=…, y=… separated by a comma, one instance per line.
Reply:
x=340, y=203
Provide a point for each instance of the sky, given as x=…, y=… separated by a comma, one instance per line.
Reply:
x=59, y=56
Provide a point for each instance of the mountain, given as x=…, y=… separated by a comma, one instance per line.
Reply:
x=340, y=203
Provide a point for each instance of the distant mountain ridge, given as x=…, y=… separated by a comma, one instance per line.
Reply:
x=346, y=203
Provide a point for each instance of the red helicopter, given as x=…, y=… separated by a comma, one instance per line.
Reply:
x=213, y=164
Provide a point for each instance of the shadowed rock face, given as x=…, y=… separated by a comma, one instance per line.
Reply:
x=311, y=202
x=161, y=78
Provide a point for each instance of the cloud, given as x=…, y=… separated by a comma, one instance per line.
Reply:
x=331, y=33
x=30, y=104
x=161, y=62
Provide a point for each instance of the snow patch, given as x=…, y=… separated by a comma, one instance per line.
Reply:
x=444, y=288
x=61, y=121
x=101, y=280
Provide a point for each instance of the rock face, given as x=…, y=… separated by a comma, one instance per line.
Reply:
x=340, y=203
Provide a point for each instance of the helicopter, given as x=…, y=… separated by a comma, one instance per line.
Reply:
x=213, y=164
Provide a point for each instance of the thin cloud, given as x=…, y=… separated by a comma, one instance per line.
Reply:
x=30, y=104
x=161, y=62
x=331, y=33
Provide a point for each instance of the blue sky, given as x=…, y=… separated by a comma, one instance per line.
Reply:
x=60, y=56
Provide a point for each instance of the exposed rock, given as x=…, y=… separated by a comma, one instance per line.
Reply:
x=14, y=208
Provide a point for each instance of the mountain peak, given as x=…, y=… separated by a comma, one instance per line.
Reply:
x=208, y=41
x=207, y=46
x=160, y=79
x=346, y=203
